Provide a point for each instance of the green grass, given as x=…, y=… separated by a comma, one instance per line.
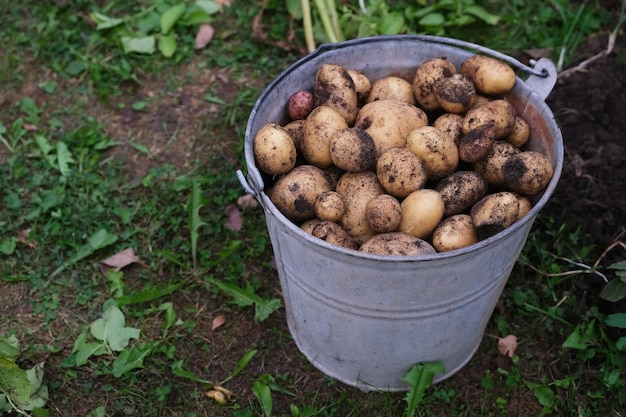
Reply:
x=101, y=151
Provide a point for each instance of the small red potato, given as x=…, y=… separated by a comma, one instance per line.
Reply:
x=300, y=104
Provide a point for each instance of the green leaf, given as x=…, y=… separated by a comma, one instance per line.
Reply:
x=64, y=158
x=616, y=320
x=177, y=369
x=620, y=269
x=264, y=395
x=482, y=14
x=194, y=204
x=171, y=16
x=101, y=239
x=111, y=329
x=170, y=315
x=141, y=45
x=75, y=67
x=294, y=7
x=98, y=412
x=614, y=290
x=148, y=294
x=264, y=308
x=7, y=246
x=579, y=340
x=621, y=344
x=196, y=17
x=14, y=382
x=105, y=22
x=241, y=297
x=132, y=358
x=9, y=348
x=88, y=350
x=544, y=395
x=391, y=24
x=40, y=412
x=419, y=377
x=432, y=19
x=35, y=377
x=208, y=6
x=167, y=44
x=117, y=285
x=243, y=362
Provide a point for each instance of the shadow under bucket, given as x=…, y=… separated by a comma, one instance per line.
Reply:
x=366, y=319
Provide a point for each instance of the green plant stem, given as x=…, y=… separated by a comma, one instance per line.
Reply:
x=324, y=16
x=308, y=26
x=332, y=11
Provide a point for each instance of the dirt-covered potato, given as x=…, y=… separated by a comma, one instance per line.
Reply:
x=362, y=84
x=460, y=191
x=329, y=206
x=317, y=131
x=494, y=213
x=308, y=225
x=525, y=205
x=356, y=189
x=422, y=210
x=499, y=113
x=389, y=122
x=400, y=171
x=383, y=213
x=352, y=149
x=300, y=105
x=520, y=133
x=436, y=148
x=451, y=124
x=476, y=144
x=391, y=88
x=397, y=244
x=333, y=87
x=425, y=76
x=332, y=233
x=454, y=232
x=294, y=128
x=490, y=168
x=527, y=173
x=295, y=193
x=274, y=150
x=490, y=75
x=455, y=93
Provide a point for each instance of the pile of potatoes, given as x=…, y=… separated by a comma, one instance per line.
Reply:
x=403, y=166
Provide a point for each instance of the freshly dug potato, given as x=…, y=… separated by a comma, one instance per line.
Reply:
x=389, y=122
x=391, y=88
x=476, y=144
x=527, y=173
x=454, y=232
x=451, y=124
x=425, y=76
x=308, y=225
x=491, y=76
x=334, y=234
x=317, y=131
x=400, y=171
x=300, y=105
x=295, y=193
x=525, y=205
x=494, y=213
x=499, y=112
x=490, y=168
x=397, y=244
x=329, y=206
x=362, y=84
x=294, y=128
x=383, y=213
x=422, y=210
x=436, y=148
x=352, y=149
x=455, y=94
x=460, y=191
x=520, y=133
x=333, y=87
x=274, y=150
x=356, y=189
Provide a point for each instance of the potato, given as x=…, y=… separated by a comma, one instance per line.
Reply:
x=308, y=225
x=494, y=213
x=362, y=84
x=454, y=232
x=317, y=131
x=356, y=189
x=400, y=172
x=274, y=150
x=352, y=150
x=389, y=122
x=333, y=87
x=397, y=244
x=334, y=234
x=391, y=88
x=300, y=105
x=422, y=210
x=329, y=206
x=295, y=193
x=294, y=128
x=525, y=205
x=499, y=112
x=490, y=75
x=477, y=143
x=455, y=94
x=490, y=168
x=460, y=191
x=438, y=151
x=451, y=124
x=425, y=76
x=383, y=213
x=527, y=173
x=520, y=133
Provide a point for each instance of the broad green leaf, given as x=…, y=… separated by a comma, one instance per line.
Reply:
x=40, y=412
x=9, y=348
x=104, y=21
x=142, y=45
x=64, y=158
x=101, y=239
x=148, y=294
x=177, y=369
x=171, y=16
x=117, y=285
x=209, y=6
x=35, y=376
x=14, y=382
x=37, y=400
x=391, y=24
x=614, y=290
x=243, y=362
x=98, y=412
x=419, y=377
x=616, y=320
x=621, y=344
x=241, y=297
x=75, y=67
x=45, y=148
x=7, y=247
x=167, y=44
x=170, y=315
x=294, y=7
x=432, y=19
x=88, y=350
x=482, y=14
x=132, y=358
x=544, y=395
x=264, y=395
x=264, y=308
x=196, y=17
x=620, y=269
x=110, y=328
x=580, y=340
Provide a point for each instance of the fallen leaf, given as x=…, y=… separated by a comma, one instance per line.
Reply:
x=234, y=222
x=30, y=127
x=247, y=202
x=223, y=2
x=218, y=321
x=119, y=261
x=204, y=35
x=507, y=345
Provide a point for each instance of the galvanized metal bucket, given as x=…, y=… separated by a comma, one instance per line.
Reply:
x=365, y=319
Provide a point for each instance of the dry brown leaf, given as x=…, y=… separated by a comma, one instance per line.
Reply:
x=119, y=261
x=30, y=127
x=507, y=345
x=223, y=2
x=204, y=35
x=234, y=220
x=247, y=202
x=218, y=321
